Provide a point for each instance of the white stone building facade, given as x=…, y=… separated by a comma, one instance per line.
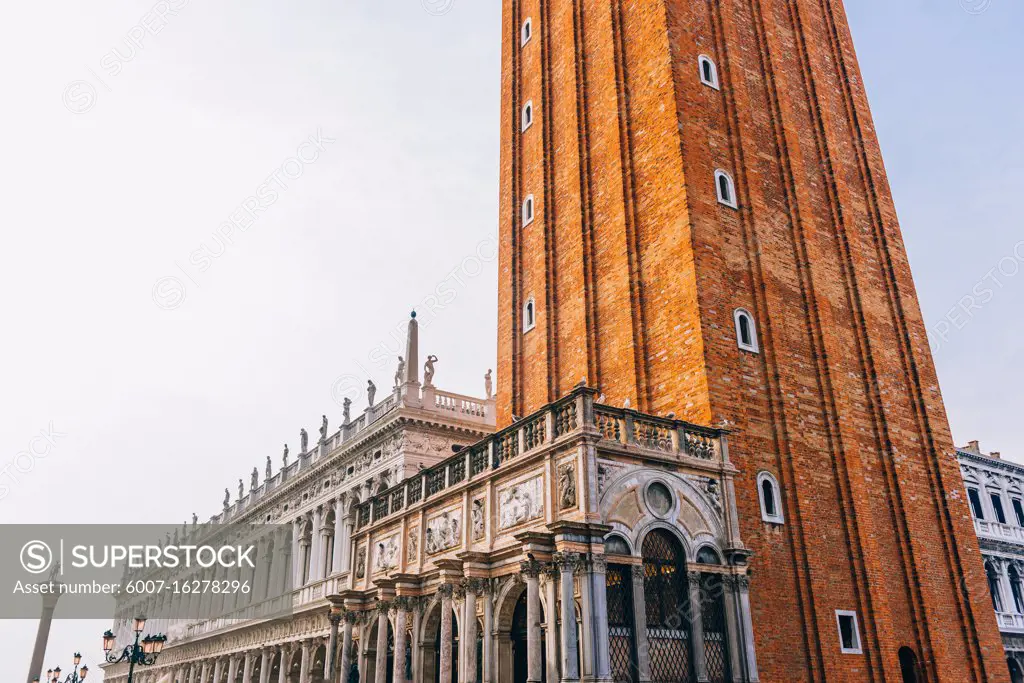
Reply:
x=995, y=491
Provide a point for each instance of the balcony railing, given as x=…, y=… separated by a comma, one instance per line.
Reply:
x=616, y=426
x=1003, y=532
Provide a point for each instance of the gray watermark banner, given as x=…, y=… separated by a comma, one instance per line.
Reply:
x=180, y=574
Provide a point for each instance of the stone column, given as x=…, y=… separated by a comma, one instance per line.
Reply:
x=307, y=656
x=316, y=552
x=401, y=638
x=417, y=663
x=204, y=675
x=282, y=674
x=445, y=675
x=339, y=535
x=232, y=669
x=598, y=585
x=381, y=669
x=218, y=667
x=746, y=628
x=566, y=563
x=297, y=553
x=531, y=570
x=247, y=662
x=700, y=667
x=640, y=624
x=551, y=579
x=488, y=665
x=346, y=646
x=469, y=631
x=266, y=658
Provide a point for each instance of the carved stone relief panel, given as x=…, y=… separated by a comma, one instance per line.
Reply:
x=521, y=502
x=385, y=556
x=444, y=531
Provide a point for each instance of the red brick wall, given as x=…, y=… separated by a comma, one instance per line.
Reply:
x=636, y=270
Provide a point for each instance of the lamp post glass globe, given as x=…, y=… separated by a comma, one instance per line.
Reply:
x=108, y=641
x=140, y=624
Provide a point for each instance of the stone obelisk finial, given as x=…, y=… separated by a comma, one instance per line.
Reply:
x=411, y=381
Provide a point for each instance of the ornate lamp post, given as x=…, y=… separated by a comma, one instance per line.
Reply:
x=76, y=676
x=144, y=654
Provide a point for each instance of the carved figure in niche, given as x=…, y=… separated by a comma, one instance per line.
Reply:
x=400, y=372
x=567, y=486
x=303, y=441
x=361, y=563
x=714, y=493
x=478, y=519
x=371, y=391
x=414, y=542
x=428, y=370
x=488, y=384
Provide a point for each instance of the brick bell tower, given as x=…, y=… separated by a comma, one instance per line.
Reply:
x=695, y=218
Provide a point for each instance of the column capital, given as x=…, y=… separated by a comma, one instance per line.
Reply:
x=445, y=590
x=531, y=568
x=638, y=571
x=402, y=603
x=694, y=579
x=383, y=607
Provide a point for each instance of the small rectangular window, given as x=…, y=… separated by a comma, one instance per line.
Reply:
x=997, y=507
x=972, y=494
x=849, y=634
x=1018, y=511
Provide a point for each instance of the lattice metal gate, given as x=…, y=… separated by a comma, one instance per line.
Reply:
x=716, y=642
x=621, y=636
x=667, y=598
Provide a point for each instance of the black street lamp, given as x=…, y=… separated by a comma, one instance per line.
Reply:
x=76, y=676
x=144, y=654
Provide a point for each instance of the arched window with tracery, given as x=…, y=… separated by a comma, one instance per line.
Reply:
x=993, y=586
x=1016, y=589
x=667, y=603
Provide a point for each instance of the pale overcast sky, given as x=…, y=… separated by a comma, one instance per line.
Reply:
x=159, y=402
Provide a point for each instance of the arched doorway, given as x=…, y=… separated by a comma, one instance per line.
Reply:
x=1016, y=674
x=319, y=661
x=370, y=673
x=667, y=607
x=908, y=665
x=519, y=636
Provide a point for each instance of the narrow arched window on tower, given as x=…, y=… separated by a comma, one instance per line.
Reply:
x=528, y=210
x=708, y=72
x=527, y=31
x=746, y=333
x=527, y=114
x=529, y=315
x=771, y=501
x=726, y=188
